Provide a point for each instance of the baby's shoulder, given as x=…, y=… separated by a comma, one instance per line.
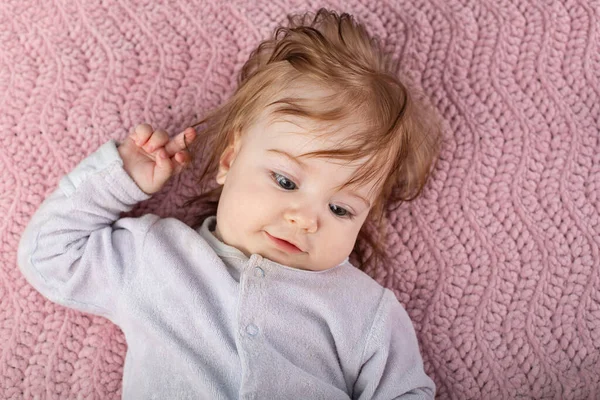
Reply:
x=360, y=286
x=376, y=301
x=359, y=280
x=175, y=235
x=372, y=293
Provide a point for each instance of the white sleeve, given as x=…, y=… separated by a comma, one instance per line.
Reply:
x=392, y=367
x=75, y=251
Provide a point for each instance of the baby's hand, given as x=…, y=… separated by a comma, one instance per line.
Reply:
x=150, y=158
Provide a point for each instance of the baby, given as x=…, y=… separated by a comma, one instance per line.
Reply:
x=259, y=301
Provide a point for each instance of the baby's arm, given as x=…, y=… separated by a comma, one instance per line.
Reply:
x=75, y=250
x=392, y=365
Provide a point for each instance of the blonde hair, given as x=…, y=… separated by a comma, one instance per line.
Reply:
x=334, y=52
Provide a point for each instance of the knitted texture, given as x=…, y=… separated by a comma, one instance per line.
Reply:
x=497, y=262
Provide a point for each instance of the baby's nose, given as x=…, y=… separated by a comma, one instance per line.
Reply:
x=304, y=219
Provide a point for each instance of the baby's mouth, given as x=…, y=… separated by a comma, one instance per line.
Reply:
x=283, y=244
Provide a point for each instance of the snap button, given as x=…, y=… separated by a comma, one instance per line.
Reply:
x=252, y=330
x=259, y=272
x=255, y=259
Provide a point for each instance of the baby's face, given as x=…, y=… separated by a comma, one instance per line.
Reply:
x=286, y=208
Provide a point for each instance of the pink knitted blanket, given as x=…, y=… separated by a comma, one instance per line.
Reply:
x=497, y=263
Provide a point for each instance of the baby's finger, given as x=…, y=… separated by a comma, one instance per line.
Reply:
x=164, y=168
x=141, y=134
x=181, y=160
x=183, y=157
x=158, y=139
x=178, y=143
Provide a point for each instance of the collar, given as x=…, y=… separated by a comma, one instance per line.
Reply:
x=223, y=250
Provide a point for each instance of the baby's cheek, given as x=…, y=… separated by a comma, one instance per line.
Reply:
x=255, y=200
x=349, y=239
x=334, y=249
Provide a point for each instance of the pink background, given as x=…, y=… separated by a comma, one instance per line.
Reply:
x=497, y=263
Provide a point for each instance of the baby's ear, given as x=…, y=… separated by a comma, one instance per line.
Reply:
x=226, y=160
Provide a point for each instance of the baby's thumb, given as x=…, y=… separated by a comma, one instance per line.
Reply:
x=164, y=168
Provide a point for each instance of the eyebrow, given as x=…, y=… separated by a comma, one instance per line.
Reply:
x=290, y=157
x=367, y=202
x=302, y=165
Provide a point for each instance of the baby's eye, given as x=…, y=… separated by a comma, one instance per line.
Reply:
x=339, y=211
x=284, y=182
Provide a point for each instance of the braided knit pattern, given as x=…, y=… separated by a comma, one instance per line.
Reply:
x=497, y=263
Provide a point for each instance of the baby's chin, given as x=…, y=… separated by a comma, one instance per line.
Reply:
x=300, y=261
x=292, y=261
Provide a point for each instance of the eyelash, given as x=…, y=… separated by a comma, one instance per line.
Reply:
x=278, y=178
